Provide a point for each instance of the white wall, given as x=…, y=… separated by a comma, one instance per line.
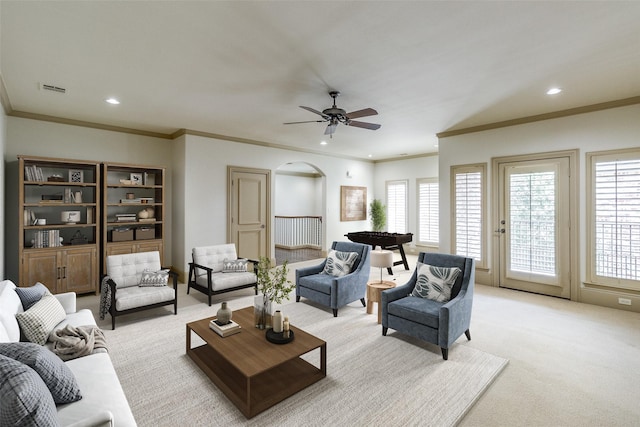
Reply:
x=205, y=187
x=603, y=130
x=411, y=170
x=178, y=214
x=3, y=144
x=297, y=195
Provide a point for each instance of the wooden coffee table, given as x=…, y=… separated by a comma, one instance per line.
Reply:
x=252, y=372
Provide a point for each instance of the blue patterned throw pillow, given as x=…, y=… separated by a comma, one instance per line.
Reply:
x=339, y=263
x=26, y=400
x=31, y=295
x=435, y=283
x=56, y=375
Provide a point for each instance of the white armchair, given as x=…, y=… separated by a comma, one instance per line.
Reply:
x=130, y=293
x=209, y=275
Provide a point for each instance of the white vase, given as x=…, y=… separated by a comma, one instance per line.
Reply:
x=277, y=322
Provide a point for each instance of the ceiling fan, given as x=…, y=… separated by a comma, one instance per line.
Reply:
x=335, y=115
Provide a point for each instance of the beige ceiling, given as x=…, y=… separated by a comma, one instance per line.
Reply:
x=242, y=68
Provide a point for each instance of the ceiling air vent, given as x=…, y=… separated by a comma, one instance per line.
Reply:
x=52, y=88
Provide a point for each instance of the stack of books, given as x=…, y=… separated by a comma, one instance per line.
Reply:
x=224, y=330
x=126, y=217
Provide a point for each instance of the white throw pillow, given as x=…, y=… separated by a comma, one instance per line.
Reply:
x=435, y=283
x=154, y=278
x=38, y=322
x=234, y=265
x=339, y=263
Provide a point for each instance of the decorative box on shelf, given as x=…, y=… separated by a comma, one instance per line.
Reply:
x=144, y=233
x=121, y=234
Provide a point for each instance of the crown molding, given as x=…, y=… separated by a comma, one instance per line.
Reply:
x=299, y=174
x=181, y=132
x=4, y=97
x=82, y=123
x=414, y=156
x=546, y=116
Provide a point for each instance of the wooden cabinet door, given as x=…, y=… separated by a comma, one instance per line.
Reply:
x=120, y=248
x=79, y=270
x=151, y=246
x=41, y=266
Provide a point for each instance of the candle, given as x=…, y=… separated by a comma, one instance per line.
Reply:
x=285, y=327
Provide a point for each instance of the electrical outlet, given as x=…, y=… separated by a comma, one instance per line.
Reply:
x=624, y=301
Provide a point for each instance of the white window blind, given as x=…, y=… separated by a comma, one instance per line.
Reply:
x=397, y=206
x=428, y=211
x=468, y=213
x=616, y=196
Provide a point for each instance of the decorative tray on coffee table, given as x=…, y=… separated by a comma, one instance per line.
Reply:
x=277, y=337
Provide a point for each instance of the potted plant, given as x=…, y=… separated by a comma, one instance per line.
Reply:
x=378, y=214
x=274, y=286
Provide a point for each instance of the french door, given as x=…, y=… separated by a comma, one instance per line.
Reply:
x=534, y=227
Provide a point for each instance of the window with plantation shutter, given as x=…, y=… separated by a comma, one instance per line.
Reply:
x=397, y=206
x=468, y=211
x=428, y=211
x=615, y=218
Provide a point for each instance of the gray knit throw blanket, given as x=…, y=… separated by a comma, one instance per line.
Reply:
x=105, y=297
x=71, y=342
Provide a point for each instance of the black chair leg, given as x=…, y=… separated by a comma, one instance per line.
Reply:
x=335, y=312
x=384, y=331
x=297, y=298
x=445, y=353
x=364, y=304
x=468, y=334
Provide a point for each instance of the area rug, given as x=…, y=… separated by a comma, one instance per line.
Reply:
x=371, y=379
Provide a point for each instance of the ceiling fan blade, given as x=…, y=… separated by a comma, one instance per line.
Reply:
x=307, y=121
x=361, y=113
x=331, y=128
x=314, y=111
x=364, y=125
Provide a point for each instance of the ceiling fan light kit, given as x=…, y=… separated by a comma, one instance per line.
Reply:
x=334, y=116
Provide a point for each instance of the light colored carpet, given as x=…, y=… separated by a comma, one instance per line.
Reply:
x=371, y=379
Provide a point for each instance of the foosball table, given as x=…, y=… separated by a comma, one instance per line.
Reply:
x=388, y=241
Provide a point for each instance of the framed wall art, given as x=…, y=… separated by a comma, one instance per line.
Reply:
x=76, y=175
x=136, y=178
x=353, y=203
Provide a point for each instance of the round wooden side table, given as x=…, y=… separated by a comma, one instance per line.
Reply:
x=374, y=291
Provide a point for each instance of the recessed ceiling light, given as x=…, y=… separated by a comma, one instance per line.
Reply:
x=554, y=91
x=323, y=143
x=112, y=101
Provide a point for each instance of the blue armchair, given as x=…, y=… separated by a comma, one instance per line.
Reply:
x=336, y=292
x=439, y=323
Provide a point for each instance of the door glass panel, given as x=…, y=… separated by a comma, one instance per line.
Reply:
x=532, y=218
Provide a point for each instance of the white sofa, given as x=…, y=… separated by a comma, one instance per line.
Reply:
x=103, y=401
